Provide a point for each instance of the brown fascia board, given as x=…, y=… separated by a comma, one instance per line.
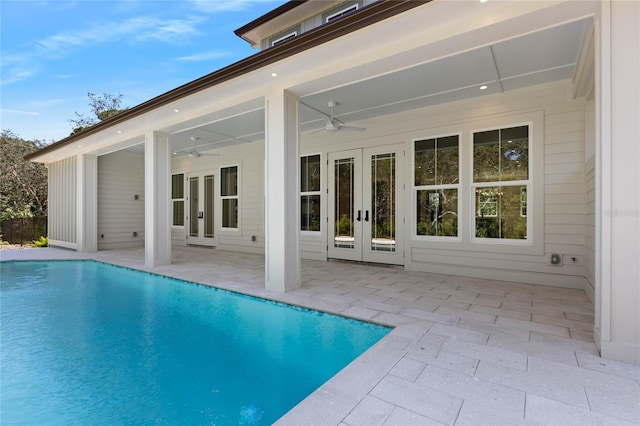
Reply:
x=375, y=12
x=280, y=10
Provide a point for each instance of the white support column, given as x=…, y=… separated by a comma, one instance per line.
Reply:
x=282, y=187
x=617, y=330
x=87, y=203
x=157, y=192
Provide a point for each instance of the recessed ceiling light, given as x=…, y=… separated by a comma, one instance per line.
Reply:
x=483, y=87
x=274, y=74
x=119, y=131
x=483, y=1
x=176, y=110
x=79, y=146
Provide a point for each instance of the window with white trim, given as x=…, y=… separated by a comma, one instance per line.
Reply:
x=284, y=38
x=436, y=186
x=501, y=182
x=339, y=14
x=229, y=197
x=177, y=199
x=310, y=193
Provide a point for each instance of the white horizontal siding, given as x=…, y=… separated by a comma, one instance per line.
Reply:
x=250, y=160
x=63, y=202
x=564, y=183
x=120, y=178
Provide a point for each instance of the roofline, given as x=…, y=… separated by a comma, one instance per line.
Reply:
x=280, y=10
x=371, y=14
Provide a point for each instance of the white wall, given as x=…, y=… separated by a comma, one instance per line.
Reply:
x=63, y=203
x=120, y=177
x=618, y=215
x=562, y=214
x=250, y=160
x=590, y=200
x=564, y=184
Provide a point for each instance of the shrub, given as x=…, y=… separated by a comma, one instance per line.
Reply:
x=41, y=242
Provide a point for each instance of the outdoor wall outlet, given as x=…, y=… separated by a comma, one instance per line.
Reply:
x=134, y=234
x=101, y=235
x=556, y=259
x=253, y=238
x=135, y=197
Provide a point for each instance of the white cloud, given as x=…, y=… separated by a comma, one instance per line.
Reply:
x=139, y=29
x=18, y=112
x=18, y=67
x=14, y=75
x=204, y=56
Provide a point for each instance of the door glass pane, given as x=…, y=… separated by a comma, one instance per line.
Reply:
x=193, y=206
x=208, y=206
x=343, y=202
x=383, y=202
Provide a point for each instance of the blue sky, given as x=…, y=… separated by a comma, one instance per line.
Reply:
x=53, y=53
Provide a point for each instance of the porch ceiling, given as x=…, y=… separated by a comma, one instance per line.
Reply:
x=535, y=58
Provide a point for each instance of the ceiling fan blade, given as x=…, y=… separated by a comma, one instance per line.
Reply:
x=353, y=128
x=314, y=131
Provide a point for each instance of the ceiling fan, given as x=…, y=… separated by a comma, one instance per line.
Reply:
x=332, y=124
x=194, y=153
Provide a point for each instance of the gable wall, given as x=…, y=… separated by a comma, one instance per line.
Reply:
x=62, y=202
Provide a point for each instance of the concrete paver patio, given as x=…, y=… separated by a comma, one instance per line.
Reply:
x=463, y=351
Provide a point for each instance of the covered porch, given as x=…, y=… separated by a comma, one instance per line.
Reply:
x=477, y=69
x=463, y=350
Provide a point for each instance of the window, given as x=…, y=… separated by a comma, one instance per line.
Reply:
x=283, y=38
x=310, y=193
x=339, y=14
x=177, y=198
x=229, y=196
x=436, y=183
x=501, y=182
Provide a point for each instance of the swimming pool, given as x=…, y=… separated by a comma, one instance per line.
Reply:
x=84, y=342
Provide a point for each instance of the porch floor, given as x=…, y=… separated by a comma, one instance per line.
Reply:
x=463, y=351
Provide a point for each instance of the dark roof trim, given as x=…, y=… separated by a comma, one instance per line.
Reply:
x=375, y=12
x=280, y=10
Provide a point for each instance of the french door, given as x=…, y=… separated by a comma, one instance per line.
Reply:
x=200, y=217
x=365, y=199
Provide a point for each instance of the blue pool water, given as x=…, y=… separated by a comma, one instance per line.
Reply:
x=88, y=343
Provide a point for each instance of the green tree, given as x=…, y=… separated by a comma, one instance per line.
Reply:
x=23, y=185
x=102, y=107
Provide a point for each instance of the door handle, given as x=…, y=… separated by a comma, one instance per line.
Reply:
x=366, y=216
x=200, y=215
x=359, y=217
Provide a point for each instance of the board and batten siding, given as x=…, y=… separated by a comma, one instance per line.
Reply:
x=62, y=204
x=120, y=179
